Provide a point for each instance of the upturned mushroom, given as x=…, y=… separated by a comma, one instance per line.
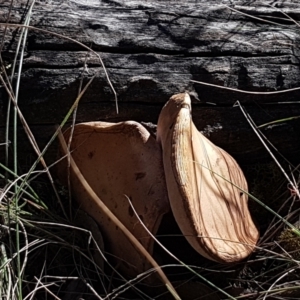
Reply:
x=118, y=159
x=206, y=187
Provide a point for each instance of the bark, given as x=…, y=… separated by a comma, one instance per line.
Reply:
x=152, y=50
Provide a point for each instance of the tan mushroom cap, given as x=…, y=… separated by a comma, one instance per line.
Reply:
x=205, y=187
x=118, y=159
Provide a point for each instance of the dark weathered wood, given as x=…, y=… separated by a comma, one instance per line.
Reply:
x=153, y=49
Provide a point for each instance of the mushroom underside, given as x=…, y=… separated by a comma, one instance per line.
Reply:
x=207, y=189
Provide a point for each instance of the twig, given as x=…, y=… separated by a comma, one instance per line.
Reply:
x=254, y=127
x=246, y=92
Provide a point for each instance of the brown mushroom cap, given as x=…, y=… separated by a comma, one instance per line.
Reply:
x=205, y=187
x=117, y=160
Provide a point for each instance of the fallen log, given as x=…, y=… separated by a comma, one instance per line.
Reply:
x=153, y=50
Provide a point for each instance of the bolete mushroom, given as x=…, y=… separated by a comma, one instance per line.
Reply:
x=119, y=159
x=206, y=187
